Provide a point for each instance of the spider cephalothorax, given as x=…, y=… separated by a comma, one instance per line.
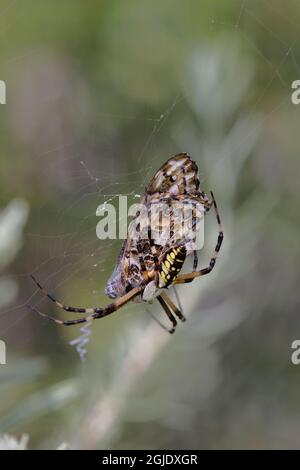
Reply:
x=148, y=265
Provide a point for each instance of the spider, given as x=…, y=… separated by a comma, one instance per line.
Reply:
x=145, y=269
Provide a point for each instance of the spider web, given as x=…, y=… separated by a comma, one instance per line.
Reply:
x=69, y=256
x=77, y=253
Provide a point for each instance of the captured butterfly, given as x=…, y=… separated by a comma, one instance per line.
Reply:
x=158, y=242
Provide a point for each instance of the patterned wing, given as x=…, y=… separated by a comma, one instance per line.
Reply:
x=176, y=181
x=176, y=184
x=178, y=176
x=135, y=257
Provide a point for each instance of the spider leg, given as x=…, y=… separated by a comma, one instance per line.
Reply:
x=195, y=251
x=168, y=312
x=158, y=322
x=93, y=312
x=172, y=306
x=189, y=277
x=59, y=304
x=67, y=322
x=195, y=260
x=179, y=302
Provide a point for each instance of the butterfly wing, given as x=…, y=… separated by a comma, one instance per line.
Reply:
x=178, y=176
x=176, y=180
x=176, y=184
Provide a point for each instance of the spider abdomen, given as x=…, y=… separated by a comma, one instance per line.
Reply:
x=171, y=266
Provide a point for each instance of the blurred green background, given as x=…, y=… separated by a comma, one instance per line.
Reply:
x=99, y=95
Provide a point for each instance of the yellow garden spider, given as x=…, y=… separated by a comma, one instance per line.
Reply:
x=146, y=268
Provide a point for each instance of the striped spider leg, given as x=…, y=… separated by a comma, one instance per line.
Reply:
x=189, y=277
x=93, y=312
x=146, y=269
x=171, y=310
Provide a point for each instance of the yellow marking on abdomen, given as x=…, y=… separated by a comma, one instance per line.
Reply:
x=171, y=265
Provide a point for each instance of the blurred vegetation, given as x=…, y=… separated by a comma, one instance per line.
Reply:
x=99, y=95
